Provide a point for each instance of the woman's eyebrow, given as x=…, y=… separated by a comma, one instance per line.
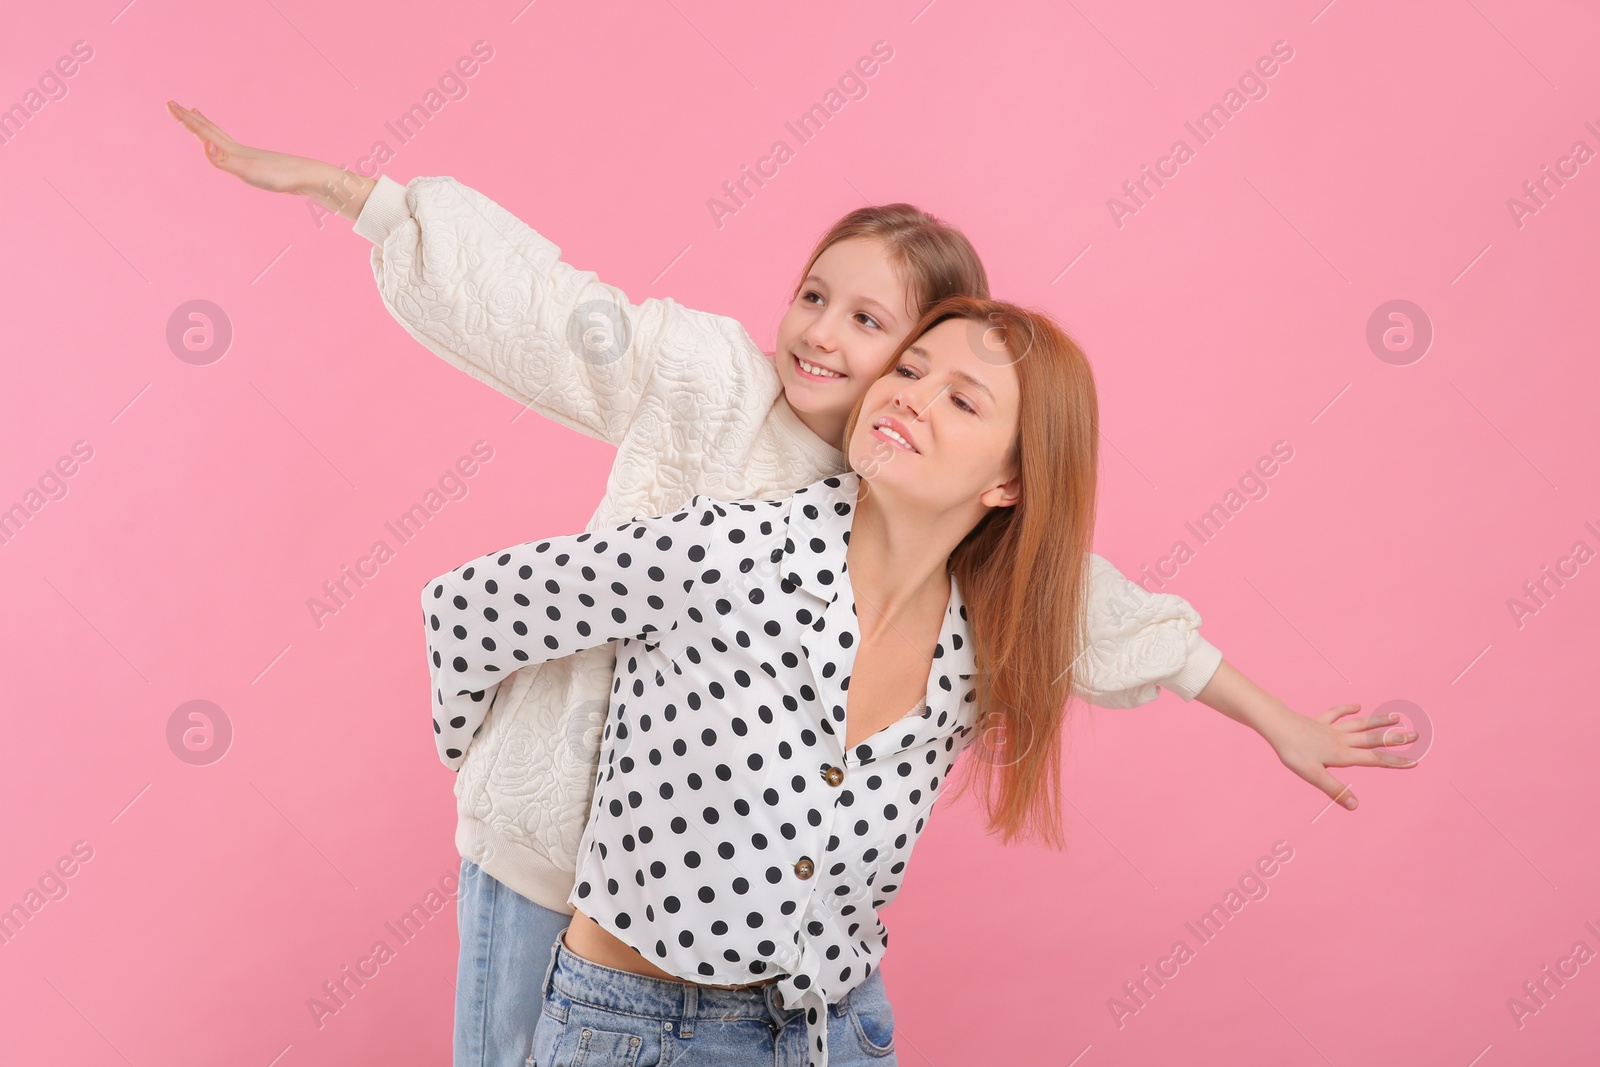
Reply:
x=959, y=375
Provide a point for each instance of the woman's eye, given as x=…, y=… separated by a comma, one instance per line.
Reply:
x=966, y=406
x=903, y=367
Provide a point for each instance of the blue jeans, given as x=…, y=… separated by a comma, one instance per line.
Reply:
x=604, y=1017
x=505, y=949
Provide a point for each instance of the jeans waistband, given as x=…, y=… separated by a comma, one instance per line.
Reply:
x=608, y=988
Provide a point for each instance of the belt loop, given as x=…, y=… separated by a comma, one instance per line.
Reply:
x=550, y=968
x=549, y=1006
x=691, y=1008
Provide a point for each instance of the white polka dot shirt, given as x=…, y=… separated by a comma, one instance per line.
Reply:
x=732, y=837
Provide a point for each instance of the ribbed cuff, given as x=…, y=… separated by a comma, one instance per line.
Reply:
x=516, y=866
x=384, y=210
x=1202, y=662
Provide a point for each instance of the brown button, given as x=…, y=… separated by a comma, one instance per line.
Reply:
x=804, y=867
x=833, y=775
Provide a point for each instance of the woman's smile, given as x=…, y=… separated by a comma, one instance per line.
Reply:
x=888, y=428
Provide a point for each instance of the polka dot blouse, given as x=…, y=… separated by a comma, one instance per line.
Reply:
x=732, y=837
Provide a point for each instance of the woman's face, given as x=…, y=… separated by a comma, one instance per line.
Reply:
x=851, y=313
x=939, y=426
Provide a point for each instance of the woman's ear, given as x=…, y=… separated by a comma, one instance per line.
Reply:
x=1004, y=495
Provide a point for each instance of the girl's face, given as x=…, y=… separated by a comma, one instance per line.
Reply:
x=938, y=427
x=851, y=313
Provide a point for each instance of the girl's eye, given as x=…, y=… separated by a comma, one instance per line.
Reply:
x=810, y=294
x=870, y=320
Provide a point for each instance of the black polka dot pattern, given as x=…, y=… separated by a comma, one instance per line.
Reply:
x=731, y=837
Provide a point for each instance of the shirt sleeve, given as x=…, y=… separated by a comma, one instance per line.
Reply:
x=1139, y=642
x=542, y=600
x=489, y=295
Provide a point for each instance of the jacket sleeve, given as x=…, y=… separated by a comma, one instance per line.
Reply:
x=489, y=295
x=1139, y=642
x=542, y=600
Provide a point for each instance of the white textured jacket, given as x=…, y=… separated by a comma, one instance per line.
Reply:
x=692, y=405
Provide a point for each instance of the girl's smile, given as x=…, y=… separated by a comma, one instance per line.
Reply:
x=816, y=371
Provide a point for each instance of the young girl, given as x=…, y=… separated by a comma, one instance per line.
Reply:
x=760, y=785
x=693, y=406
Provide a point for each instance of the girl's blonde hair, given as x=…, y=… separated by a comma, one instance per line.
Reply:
x=933, y=258
x=1023, y=570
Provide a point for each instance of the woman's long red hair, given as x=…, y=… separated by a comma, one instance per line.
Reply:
x=1023, y=570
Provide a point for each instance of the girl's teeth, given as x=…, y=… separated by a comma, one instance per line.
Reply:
x=813, y=369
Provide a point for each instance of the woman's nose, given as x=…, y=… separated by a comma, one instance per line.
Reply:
x=918, y=396
x=907, y=399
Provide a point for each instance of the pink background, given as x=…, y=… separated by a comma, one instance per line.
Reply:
x=1228, y=313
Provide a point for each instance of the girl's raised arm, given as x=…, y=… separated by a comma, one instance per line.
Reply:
x=1139, y=642
x=492, y=297
x=277, y=172
x=541, y=600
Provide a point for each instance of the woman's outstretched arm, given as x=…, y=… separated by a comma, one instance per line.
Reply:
x=333, y=187
x=541, y=600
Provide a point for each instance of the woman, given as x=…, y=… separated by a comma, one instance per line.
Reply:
x=761, y=783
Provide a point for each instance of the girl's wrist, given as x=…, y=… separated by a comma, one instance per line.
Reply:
x=334, y=188
x=1269, y=717
x=1241, y=700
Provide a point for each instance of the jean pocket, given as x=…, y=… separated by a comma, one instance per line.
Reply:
x=587, y=1039
x=872, y=1019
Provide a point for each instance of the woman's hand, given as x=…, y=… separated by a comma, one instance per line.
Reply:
x=1308, y=746
x=277, y=172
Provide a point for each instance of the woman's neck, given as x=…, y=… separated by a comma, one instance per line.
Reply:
x=899, y=555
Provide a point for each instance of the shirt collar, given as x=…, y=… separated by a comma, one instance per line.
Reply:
x=820, y=517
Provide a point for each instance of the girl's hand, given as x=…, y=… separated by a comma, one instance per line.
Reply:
x=333, y=187
x=272, y=171
x=1308, y=746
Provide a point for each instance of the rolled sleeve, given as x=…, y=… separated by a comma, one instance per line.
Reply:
x=542, y=600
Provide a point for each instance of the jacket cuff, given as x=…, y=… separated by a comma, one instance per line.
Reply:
x=384, y=210
x=1199, y=665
